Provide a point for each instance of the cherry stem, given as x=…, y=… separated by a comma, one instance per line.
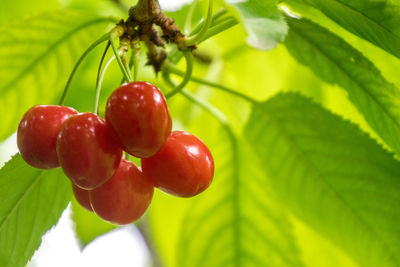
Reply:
x=186, y=78
x=117, y=56
x=101, y=61
x=215, y=20
x=102, y=39
x=135, y=62
x=223, y=25
x=199, y=36
x=99, y=83
x=173, y=69
x=215, y=112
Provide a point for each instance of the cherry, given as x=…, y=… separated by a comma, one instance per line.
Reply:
x=125, y=197
x=82, y=196
x=139, y=115
x=88, y=152
x=37, y=134
x=183, y=167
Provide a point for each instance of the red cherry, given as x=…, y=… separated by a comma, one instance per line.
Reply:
x=37, y=134
x=125, y=197
x=183, y=167
x=82, y=196
x=87, y=150
x=139, y=115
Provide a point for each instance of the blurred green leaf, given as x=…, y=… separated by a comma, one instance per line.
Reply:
x=88, y=225
x=32, y=201
x=236, y=223
x=263, y=21
x=12, y=11
x=37, y=56
x=332, y=175
x=376, y=21
x=335, y=61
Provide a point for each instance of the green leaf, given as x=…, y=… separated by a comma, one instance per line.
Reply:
x=335, y=61
x=36, y=58
x=375, y=21
x=236, y=215
x=17, y=9
x=88, y=225
x=223, y=224
x=32, y=201
x=263, y=22
x=332, y=175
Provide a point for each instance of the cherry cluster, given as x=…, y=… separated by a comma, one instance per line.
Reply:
x=89, y=150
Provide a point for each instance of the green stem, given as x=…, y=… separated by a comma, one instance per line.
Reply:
x=206, y=106
x=213, y=110
x=173, y=69
x=220, y=27
x=215, y=20
x=101, y=61
x=102, y=39
x=128, y=70
x=186, y=78
x=199, y=36
x=135, y=61
x=121, y=65
x=99, y=83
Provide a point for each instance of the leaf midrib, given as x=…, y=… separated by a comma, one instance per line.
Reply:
x=52, y=47
x=319, y=174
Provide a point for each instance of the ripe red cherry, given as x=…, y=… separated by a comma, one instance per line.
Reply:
x=88, y=152
x=82, y=196
x=125, y=197
x=183, y=167
x=37, y=134
x=139, y=115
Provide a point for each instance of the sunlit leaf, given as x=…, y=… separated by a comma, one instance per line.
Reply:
x=335, y=61
x=263, y=22
x=332, y=175
x=375, y=21
x=37, y=56
x=32, y=201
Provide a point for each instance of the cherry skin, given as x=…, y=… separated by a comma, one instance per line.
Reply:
x=184, y=166
x=125, y=197
x=82, y=196
x=37, y=134
x=138, y=113
x=87, y=150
